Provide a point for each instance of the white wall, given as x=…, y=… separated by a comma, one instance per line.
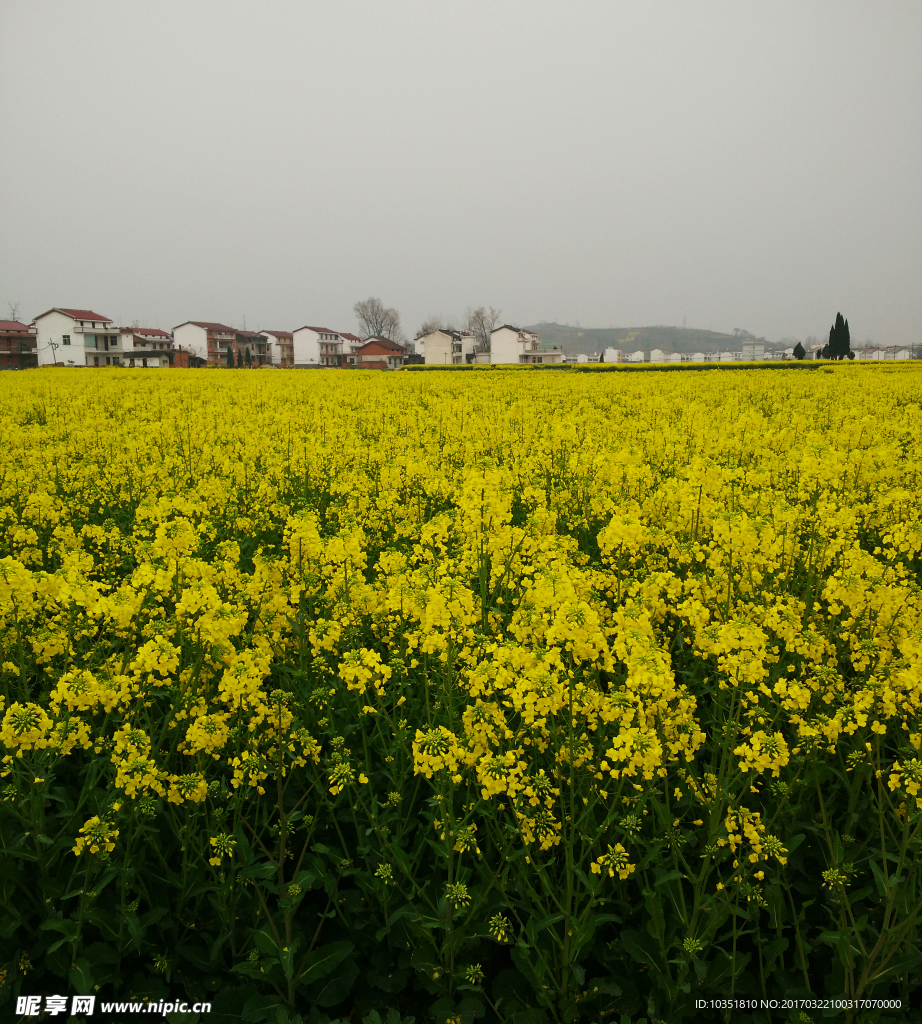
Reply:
x=612, y=355
x=275, y=350
x=192, y=338
x=51, y=328
x=306, y=346
x=436, y=348
x=504, y=346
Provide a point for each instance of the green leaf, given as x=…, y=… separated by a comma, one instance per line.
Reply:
x=195, y=955
x=260, y=1007
x=80, y=976
x=339, y=986
x=604, y=985
x=530, y=1016
x=907, y=962
x=64, y=925
x=642, y=948
x=266, y=943
x=545, y=922
x=879, y=879
x=772, y=951
x=325, y=959
x=243, y=844
x=263, y=870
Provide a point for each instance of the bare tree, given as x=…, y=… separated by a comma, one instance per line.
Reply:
x=480, y=322
x=375, y=319
x=14, y=310
x=429, y=326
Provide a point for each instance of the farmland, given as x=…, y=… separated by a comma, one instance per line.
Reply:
x=530, y=697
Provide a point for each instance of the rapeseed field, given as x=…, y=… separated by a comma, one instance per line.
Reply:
x=524, y=697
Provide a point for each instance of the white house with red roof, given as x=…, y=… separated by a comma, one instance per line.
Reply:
x=280, y=345
x=351, y=344
x=206, y=339
x=380, y=354
x=149, y=347
x=317, y=346
x=446, y=347
x=77, y=337
x=17, y=345
x=513, y=345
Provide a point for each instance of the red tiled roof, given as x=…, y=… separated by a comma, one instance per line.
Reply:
x=352, y=337
x=248, y=334
x=77, y=314
x=209, y=326
x=14, y=325
x=83, y=314
x=150, y=332
x=385, y=344
x=287, y=335
x=319, y=330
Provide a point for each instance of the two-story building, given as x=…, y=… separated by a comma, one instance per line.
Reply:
x=380, y=354
x=213, y=342
x=513, y=345
x=281, y=348
x=317, y=346
x=256, y=344
x=351, y=345
x=77, y=337
x=446, y=347
x=17, y=345
x=152, y=348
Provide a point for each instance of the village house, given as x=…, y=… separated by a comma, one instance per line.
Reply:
x=17, y=345
x=380, y=354
x=351, y=345
x=611, y=355
x=317, y=346
x=888, y=352
x=281, y=348
x=256, y=344
x=151, y=348
x=513, y=345
x=447, y=347
x=207, y=340
x=76, y=337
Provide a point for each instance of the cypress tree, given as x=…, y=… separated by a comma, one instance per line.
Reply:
x=239, y=359
x=249, y=361
x=840, y=344
x=799, y=351
x=230, y=358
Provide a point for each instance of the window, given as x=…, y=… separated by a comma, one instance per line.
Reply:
x=65, y=339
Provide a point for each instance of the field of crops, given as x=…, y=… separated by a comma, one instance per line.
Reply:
x=508, y=697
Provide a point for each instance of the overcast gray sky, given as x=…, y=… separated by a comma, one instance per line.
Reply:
x=753, y=165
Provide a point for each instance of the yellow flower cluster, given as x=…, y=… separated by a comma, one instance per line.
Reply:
x=516, y=562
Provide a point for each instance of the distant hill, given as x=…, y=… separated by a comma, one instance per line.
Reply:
x=670, y=339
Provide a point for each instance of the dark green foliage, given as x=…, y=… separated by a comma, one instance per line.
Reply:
x=839, y=345
x=799, y=351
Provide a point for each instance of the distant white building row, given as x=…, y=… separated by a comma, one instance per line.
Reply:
x=508, y=344
x=82, y=337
